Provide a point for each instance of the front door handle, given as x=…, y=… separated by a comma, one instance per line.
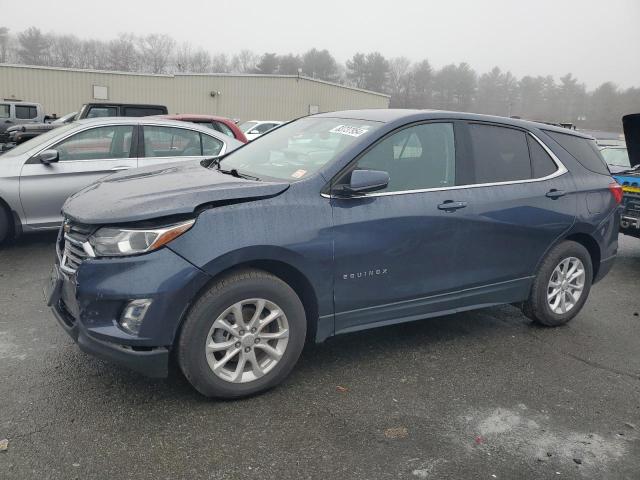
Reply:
x=554, y=193
x=117, y=169
x=451, y=206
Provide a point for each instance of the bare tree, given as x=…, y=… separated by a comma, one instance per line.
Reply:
x=156, y=50
x=244, y=62
x=4, y=43
x=123, y=54
x=65, y=51
x=399, y=83
x=220, y=63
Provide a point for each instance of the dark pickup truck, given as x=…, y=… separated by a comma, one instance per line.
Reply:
x=94, y=110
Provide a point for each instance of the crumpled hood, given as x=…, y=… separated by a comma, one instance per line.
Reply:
x=160, y=191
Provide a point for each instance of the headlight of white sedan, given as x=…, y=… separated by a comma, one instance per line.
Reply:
x=115, y=242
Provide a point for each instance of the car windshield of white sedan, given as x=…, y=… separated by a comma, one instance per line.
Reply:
x=39, y=140
x=616, y=156
x=297, y=150
x=246, y=126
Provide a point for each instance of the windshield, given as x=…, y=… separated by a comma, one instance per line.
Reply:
x=66, y=119
x=39, y=140
x=298, y=149
x=618, y=157
x=246, y=126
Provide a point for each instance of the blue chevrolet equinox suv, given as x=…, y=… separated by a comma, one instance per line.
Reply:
x=330, y=224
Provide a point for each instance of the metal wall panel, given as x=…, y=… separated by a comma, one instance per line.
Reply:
x=245, y=97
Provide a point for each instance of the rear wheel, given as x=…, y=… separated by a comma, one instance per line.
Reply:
x=561, y=286
x=243, y=336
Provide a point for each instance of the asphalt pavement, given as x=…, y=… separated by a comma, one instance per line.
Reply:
x=484, y=394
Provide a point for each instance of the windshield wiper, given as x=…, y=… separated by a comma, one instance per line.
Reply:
x=235, y=173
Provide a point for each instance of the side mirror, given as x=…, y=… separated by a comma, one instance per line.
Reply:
x=49, y=156
x=364, y=181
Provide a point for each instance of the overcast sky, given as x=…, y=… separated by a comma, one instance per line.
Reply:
x=597, y=41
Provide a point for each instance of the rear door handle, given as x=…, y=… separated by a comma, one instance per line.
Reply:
x=450, y=205
x=553, y=193
x=117, y=169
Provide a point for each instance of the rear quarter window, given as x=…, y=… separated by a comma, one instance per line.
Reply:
x=583, y=150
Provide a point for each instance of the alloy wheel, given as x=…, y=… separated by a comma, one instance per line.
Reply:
x=566, y=285
x=247, y=340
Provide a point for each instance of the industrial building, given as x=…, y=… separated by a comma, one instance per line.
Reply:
x=240, y=96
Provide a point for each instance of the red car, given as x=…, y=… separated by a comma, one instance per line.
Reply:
x=220, y=124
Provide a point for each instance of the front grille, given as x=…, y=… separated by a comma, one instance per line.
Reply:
x=73, y=246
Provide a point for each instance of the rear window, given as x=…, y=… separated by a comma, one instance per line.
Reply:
x=582, y=149
x=500, y=154
x=143, y=111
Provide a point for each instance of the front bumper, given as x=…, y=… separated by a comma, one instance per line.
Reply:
x=92, y=300
x=152, y=363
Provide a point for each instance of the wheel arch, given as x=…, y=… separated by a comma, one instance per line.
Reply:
x=13, y=219
x=590, y=243
x=285, y=270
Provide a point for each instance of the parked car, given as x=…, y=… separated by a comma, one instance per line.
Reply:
x=18, y=113
x=220, y=124
x=21, y=133
x=629, y=178
x=37, y=176
x=616, y=157
x=255, y=128
x=381, y=217
x=97, y=110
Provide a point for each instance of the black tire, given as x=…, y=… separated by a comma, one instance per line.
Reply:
x=235, y=287
x=5, y=224
x=537, y=307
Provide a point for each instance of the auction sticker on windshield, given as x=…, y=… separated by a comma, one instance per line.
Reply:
x=350, y=130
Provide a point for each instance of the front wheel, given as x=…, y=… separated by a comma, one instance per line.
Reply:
x=5, y=225
x=243, y=336
x=561, y=286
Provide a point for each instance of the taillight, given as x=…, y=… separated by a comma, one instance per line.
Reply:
x=617, y=192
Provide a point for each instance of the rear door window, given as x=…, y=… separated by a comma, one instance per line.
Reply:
x=171, y=142
x=582, y=149
x=500, y=154
x=5, y=110
x=26, y=112
x=542, y=164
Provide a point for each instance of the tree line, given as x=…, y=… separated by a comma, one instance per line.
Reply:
x=410, y=84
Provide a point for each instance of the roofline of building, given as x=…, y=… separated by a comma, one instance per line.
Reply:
x=165, y=75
